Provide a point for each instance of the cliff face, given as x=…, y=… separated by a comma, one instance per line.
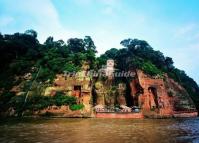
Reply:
x=155, y=96
x=180, y=97
x=160, y=96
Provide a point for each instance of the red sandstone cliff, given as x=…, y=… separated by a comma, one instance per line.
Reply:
x=160, y=96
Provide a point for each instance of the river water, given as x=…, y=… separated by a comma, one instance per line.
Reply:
x=92, y=130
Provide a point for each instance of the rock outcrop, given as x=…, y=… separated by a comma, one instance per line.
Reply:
x=160, y=96
x=78, y=86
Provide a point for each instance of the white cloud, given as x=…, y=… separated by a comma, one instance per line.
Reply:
x=41, y=16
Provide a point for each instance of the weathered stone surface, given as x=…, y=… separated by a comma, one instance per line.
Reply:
x=78, y=85
x=155, y=99
x=51, y=91
x=99, y=93
x=180, y=98
x=121, y=94
x=62, y=111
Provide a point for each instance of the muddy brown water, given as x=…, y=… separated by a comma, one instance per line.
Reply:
x=93, y=130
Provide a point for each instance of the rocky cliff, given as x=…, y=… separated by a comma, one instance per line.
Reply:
x=160, y=96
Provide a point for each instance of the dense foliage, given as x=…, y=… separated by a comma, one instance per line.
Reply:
x=21, y=53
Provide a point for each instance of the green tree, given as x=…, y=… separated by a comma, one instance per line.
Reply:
x=76, y=45
x=32, y=33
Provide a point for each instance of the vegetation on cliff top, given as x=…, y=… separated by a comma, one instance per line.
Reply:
x=21, y=53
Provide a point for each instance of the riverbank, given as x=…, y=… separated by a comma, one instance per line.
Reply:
x=66, y=112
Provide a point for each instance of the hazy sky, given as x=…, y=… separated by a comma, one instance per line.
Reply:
x=171, y=26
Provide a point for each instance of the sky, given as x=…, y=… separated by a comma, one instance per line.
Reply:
x=170, y=26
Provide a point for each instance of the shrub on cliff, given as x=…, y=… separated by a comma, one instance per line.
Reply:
x=39, y=102
x=61, y=99
x=151, y=69
x=76, y=107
